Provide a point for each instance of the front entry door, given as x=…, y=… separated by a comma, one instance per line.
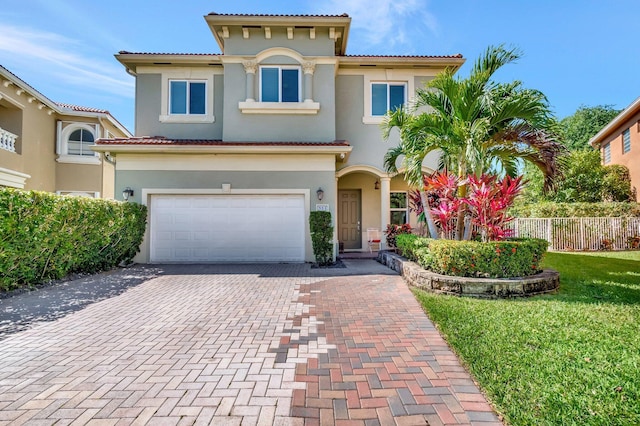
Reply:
x=349, y=218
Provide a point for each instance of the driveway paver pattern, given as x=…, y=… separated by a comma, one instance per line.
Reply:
x=242, y=345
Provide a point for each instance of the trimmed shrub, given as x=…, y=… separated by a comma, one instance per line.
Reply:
x=321, y=236
x=407, y=244
x=45, y=236
x=393, y=231
x=494, y=259
x=551, y=209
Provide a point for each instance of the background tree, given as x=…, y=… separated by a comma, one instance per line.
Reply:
x=578, y=128
x=616, y=184
x=585, y=179
x=478, y=125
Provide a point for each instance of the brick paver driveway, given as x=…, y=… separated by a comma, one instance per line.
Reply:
x=242, y=345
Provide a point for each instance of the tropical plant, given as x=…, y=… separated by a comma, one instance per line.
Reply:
x=488, y=201
x=477, y=125
x=393, y=231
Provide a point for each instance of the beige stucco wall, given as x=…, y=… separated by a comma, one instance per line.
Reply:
x=35, y=146
x=630, y=159
x=35, y=124
x=79, y=178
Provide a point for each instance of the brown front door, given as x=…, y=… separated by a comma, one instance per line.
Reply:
x=349, y=229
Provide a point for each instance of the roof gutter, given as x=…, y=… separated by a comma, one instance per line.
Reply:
x=618, y=120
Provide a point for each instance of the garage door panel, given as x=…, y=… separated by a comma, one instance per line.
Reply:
x=225, y=228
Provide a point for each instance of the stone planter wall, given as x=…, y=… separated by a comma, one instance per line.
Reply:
x=490, y=288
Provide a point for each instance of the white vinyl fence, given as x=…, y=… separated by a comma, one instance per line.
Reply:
x=580, y=233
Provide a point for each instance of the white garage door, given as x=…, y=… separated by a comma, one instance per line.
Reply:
x=227, y=228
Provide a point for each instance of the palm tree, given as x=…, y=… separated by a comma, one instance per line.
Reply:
x=477, y=124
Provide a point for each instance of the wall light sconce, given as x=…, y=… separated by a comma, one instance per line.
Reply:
x=320, y=194
x=126, y=193
x=377, y=184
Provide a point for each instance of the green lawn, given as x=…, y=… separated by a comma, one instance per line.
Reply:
x=566, y=358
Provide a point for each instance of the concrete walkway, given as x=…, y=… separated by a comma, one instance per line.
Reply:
x=239, y=345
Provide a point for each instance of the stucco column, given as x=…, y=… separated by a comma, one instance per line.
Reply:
x=308, y=68
x=334, y=219
x=385, y=207
x=250, y=68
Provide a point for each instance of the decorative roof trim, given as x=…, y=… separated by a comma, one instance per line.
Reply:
x=82, y=108
x=161, y=140
x=159, y=145
x=60, y=108
x=344, y=15
x=125, y=52
x=613, y=125
x=405, y=61
x=338, y=25
x=458, y=55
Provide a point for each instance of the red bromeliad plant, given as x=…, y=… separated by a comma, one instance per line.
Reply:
x=445, y=185
x=488, y=199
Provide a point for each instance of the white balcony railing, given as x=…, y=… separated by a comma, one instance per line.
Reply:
x=7, y=140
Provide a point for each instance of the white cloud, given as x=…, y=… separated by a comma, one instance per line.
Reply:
x=385, y=22
x=65, y=59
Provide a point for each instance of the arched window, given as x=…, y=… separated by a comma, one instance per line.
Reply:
x=79, y=142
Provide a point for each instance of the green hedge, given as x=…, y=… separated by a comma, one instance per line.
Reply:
x=551, y=209
x=46, y=236
x=495, y=259
x=321, y=237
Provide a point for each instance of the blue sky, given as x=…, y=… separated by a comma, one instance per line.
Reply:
x=576, y=52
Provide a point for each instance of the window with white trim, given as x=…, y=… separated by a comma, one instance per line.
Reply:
x=626, y=141
x=187, y=97
x=399, y=207
x=74, y=142
x=79, y=143
x=280, y=84
x=606, y=153
x=387, y=97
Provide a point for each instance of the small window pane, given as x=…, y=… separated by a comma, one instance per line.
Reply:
x=398, y=200
x=79, y=142
x=396, y=96
x=197, y=98
x=378, y=99
x=290, y=86
x=76, y=135
x=178, y=97
x=626, y=139
x=607, y=153
x=269, y=85
x=399, y=217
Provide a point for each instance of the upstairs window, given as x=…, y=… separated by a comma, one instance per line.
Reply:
x=387, y=97
x=606, y=153
x=280, y=84
x=626, y=141
x=79, y=142
x=188, y=97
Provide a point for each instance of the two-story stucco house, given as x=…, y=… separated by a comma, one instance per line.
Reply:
x=46, y=146
x=234, y=150
x=619, y=142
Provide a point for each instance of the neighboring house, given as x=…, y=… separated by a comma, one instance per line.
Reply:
x=46, y=146
x=619, y=142
x=243, y=145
